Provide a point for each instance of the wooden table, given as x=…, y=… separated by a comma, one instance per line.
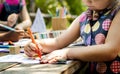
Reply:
x=16, y=68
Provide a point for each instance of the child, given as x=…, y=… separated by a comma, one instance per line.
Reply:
x=14, y=9
x=10, y=10
x=99, y=27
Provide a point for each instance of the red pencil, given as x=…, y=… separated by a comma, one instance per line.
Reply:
x=33, y=41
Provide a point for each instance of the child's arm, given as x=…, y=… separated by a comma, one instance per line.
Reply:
x=49, y=45
x=66, y=38
x=25, y=18
x=102, y=52
x=3, y=22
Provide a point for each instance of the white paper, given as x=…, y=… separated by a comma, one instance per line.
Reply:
x=22, y=42
x=19, y=58
x=39, y=23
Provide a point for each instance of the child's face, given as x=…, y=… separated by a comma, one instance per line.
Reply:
x=97, y=4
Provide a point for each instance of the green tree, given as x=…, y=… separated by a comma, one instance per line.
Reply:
x=46, y=5
x=76, y=7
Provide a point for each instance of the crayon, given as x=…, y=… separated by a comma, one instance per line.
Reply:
x=10, y=43
x=33, y=41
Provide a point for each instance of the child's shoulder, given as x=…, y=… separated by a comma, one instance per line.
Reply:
x=82, y=16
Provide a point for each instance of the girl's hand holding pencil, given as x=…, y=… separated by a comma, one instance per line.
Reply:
x=37, y=49
x=32, y=51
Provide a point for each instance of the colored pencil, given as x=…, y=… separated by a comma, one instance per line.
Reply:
x=4, y=46
x=7, y=27
x=33, y=41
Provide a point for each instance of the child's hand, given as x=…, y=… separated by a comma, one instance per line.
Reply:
x=13, y=35
x=26, y=35
x=19, y=27
x=12, y=19
x=30, y=48
x=55, y=56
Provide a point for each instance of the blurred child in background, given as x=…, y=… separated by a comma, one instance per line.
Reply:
x=10, y=11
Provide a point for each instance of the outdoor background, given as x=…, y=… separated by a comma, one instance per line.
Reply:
x=74, y=8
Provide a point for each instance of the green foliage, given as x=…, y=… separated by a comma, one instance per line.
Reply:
x=74, y=7
x=28, y=4
x=46, y=5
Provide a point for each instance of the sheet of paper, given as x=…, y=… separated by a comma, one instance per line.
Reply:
x=22, y=58
x=22, y=42
x=19, y=58
x=6, y=50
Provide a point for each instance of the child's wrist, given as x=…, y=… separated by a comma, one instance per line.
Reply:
x=67, y=53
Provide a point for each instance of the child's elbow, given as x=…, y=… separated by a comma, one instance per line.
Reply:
x=113, y=54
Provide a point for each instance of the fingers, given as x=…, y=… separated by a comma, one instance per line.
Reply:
x=55, y=56
x=12, y=19
x=51, y=59
x=29, y=50
x=26, y=35
x=18, y=27
x=39, y=46
x=21, y=33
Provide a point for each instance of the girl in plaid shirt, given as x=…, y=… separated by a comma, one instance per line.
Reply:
x=98, y=27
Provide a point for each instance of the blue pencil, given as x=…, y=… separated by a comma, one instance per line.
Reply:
x=4, y=46
x=7, y=27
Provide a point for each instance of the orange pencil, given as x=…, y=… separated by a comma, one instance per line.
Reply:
x=33, y=41
x=10, y=43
